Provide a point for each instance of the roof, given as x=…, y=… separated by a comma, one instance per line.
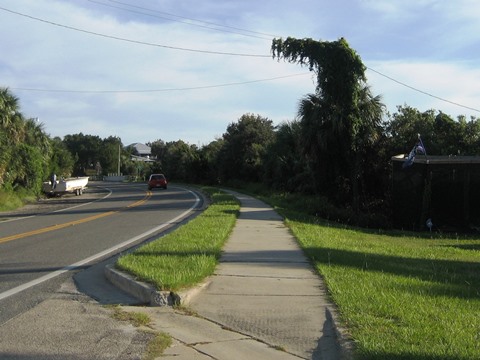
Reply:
x=437, y=159
x=142, y=149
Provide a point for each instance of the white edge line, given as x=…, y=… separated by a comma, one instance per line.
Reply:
x=76, y=265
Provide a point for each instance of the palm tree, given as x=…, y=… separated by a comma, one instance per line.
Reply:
x=370, y=111
x=8, y=107
x=35, y=135
x=8, y=125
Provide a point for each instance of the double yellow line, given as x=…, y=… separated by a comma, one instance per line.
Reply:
x=72, y=223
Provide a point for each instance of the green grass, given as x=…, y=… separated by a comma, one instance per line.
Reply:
x=189, y=254
x=401, y=296
x=9, y=201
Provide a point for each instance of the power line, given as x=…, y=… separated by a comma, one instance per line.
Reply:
x=194, y=50
x=421, y=91
x=197, y=23
x=130, y=40
x=158, y=90
x=202, y=21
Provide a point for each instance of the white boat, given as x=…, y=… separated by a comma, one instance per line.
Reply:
x=63, y=186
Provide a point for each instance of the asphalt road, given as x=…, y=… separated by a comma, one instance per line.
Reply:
x=42, y=247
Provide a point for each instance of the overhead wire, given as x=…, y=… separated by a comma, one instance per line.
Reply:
x=201, y=21
x=196, y=22
x=133, y=41
x=422, y=92
x=161, y=90
x=191, y=50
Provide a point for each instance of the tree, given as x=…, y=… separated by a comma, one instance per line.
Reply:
x=9, y=123
x=158, y=148
x=470, y=135
x=62, y=161
x=207, y=165
x=9, y=109
x=365, y=144
x=86, y=150
x=403, y=128
x=245, y=145
x=25, y=148
x=448, y=136
x=178, y=159
x=110, y=154
x=285, y=167
x=339, y=118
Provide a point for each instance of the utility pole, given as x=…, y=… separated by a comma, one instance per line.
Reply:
x=118, y=170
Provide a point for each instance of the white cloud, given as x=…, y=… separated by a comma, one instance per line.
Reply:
x=44, y=56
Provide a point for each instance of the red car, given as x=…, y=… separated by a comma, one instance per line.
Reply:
x=157, y=181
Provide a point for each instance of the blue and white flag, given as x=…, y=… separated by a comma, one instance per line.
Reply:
x=418, y=148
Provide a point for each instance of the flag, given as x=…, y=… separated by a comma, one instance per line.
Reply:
x=411, y=158
x=418, y=148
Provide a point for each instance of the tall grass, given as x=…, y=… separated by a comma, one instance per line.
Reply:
x=189, y=254
x=11, y=200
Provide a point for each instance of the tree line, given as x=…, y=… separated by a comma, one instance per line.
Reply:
x=337, y=149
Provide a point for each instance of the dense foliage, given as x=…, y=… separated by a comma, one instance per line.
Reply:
x=27, y=154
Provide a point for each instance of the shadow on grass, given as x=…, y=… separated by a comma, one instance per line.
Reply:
x=452, y=278
x=475, y=247
x=409, y=356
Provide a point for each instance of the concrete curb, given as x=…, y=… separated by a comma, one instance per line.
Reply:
x=146, y=293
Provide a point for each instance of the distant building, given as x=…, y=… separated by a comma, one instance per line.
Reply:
x=142, y=152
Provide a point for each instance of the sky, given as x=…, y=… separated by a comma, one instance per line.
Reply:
x=147, y=70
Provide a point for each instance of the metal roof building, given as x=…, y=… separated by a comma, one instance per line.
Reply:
x=444, y=189
x=142, y=149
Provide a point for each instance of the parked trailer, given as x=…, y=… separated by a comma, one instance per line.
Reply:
x=64, y=186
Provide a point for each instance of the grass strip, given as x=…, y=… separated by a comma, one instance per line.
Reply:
x=400, y=295
x=189, y=254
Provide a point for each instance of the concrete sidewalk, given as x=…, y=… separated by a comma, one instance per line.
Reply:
x=263, y=302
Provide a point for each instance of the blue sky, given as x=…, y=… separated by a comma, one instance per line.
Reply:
x=70, y=65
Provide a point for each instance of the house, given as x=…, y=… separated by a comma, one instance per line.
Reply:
x=141, y=152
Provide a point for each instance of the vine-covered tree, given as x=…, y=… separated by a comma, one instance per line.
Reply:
x=339, y=118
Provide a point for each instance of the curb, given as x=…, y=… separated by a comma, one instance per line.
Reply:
x=146, y=293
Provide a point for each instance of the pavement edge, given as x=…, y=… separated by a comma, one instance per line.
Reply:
x=146, y=293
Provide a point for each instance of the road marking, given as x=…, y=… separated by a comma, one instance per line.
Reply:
x=99, y=255
x=71, y=223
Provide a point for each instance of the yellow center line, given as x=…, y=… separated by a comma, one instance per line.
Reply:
x=71, y=223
